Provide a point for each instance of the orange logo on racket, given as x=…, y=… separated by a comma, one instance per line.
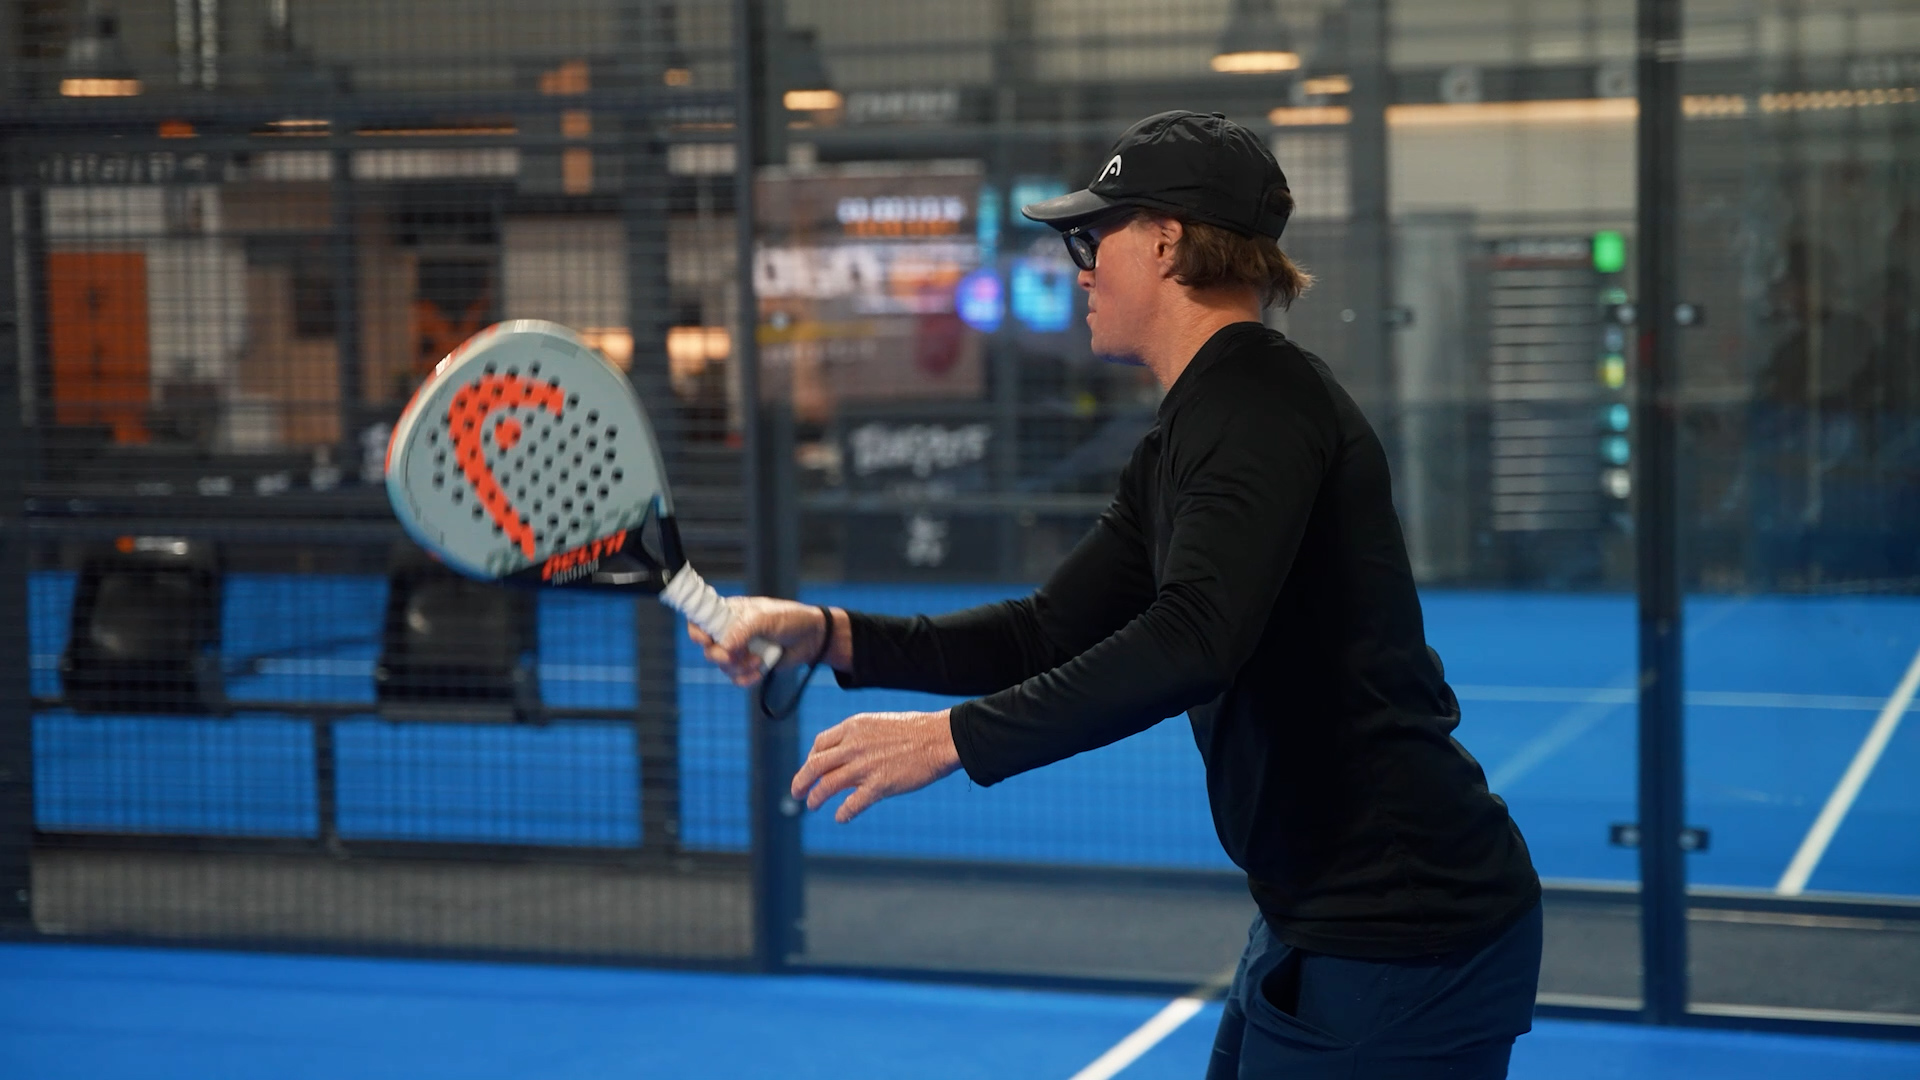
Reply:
x=467, y=422
x=587, y=555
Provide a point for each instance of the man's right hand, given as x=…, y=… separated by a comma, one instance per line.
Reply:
x=797, y=628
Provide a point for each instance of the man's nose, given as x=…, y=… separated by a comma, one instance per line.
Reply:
x=1085, y=278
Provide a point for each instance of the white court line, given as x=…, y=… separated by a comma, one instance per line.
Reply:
x=1144, y=1038
x=1570, y=695
x=1591, y=705
x=1794, y=881
x=1726, y=699
x=1594, y=704
x=1564, y=732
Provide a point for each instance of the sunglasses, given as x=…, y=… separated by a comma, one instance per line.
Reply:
x=1083, y=241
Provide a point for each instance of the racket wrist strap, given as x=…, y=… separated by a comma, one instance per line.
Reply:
x=826, y=637
x=802, y=680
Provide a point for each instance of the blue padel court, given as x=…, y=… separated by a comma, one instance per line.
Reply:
x=1781, y=693
x=87, y=1013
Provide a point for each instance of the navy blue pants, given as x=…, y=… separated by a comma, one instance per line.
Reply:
x=1299, y=1015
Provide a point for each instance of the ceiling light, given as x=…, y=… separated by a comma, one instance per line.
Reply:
x=99, y=87
x=1256, y=41
x=811, y=100
x=804, y=81
x=96, y=63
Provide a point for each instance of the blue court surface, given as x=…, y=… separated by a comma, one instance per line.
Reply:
x=1782, y=692
x=88, y=1013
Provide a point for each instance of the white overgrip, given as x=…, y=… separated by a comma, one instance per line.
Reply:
x=690, y=595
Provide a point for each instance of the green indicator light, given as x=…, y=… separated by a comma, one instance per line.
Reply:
x=1609, y=251
x=1618, y=416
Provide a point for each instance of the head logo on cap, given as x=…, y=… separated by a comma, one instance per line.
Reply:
x=1205, y=168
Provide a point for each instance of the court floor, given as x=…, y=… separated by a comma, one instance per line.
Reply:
x=99, y=1013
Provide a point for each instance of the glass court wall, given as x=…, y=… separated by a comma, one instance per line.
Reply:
x=241, y=232
x=1800, y=239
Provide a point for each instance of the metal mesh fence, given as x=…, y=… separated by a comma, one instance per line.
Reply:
x=258, y=713
x=241, y=233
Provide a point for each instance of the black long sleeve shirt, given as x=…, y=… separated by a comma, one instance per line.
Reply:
x=1251, y=573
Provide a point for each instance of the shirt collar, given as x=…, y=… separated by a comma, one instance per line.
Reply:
x=1206, y=357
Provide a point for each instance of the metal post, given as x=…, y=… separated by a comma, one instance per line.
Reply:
x=779, y=902
x=36, y=358
x=1663, y=881
x=326, y=784
x=345, y=254
x=1013, y=69
x=16, y=692
x=644, y=209
x=13, y=86
x=1369, y=283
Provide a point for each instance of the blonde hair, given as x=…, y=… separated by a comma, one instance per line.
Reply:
x=1209, y=256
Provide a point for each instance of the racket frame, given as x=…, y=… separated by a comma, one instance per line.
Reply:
x=644, y=557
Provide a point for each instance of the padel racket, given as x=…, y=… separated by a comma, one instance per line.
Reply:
x=527, y=458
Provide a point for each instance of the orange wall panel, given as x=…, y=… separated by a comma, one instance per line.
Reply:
x=97, y=325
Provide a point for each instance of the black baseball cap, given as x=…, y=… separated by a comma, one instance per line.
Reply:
x=1201, y=166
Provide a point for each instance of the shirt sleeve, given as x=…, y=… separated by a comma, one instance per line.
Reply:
x=1102, y=583
x=1245, y=464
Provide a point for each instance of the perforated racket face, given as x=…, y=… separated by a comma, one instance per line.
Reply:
x=524, y=444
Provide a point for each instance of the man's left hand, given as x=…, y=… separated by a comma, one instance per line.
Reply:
x=877, y=755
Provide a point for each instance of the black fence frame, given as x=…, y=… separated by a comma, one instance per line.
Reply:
x=777, y=861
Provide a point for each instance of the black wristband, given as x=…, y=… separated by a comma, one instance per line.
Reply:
x=826, y=637
x=786, y=711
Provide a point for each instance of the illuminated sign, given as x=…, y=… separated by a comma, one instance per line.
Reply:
x=978, y=301
x=879, y=278
x=900, y=215
x=986, y=223
x=857, y=270
x=1043, y=294
x=903, y=106
x=1029, y=190
x=1609, y=251
x=921, y=449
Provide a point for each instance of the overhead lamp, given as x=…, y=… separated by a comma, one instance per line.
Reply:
x=297, y=125
x=677, y=69
x=691, y=348
x=1327, y=74
x=72, y=87
x=614, y=342
x=570, y=78
x=1256, y=42
x=804, y=75
x=96, y=61
x=291, y=67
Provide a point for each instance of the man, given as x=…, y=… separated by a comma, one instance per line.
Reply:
x=1251, y=573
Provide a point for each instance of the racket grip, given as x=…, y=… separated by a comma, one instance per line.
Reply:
x=690, y=595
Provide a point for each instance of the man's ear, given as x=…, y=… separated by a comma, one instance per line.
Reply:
x=1166, y=239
